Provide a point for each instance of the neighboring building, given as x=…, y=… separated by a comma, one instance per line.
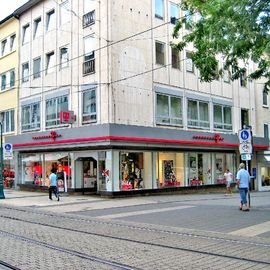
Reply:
x=143, y=118
x=9, y=56
x=263, y=128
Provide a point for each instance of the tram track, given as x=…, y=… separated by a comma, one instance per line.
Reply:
x=7, y=266
x=140, y=242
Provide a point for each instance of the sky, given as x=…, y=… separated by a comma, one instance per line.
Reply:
x=8, y=6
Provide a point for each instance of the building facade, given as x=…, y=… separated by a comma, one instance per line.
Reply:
x=143, y=120
x=9, y=57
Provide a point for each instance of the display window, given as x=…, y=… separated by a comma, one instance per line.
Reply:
x=8, y=173
x=132, y=170
x=170, y=168
x=265, y=176
x=221, y=163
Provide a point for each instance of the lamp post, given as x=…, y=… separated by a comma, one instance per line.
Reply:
x=2, y=195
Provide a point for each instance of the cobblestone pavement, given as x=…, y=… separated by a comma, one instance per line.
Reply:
x=36, y=233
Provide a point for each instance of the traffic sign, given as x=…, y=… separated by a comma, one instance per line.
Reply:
x=245, y=135
x=246, y=156
x=8, y=151
x=245, y=140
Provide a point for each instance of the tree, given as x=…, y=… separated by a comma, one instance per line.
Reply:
x=235, y=29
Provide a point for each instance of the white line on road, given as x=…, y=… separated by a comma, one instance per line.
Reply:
x=253, y=230
x=143, y=212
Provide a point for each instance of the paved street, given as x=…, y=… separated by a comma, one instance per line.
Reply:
x=202, y=231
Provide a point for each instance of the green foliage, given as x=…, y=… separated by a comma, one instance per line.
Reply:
x=236, y=29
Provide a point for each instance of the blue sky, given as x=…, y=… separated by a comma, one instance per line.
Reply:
x=8, y=6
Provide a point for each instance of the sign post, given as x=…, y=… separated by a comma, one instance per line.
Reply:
x=2, y=195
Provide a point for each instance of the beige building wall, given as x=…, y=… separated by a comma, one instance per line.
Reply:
x=9, y=61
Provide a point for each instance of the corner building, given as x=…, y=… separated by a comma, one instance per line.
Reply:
x=144, y=121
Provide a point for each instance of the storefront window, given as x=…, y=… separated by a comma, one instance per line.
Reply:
x=170, y=169
x=223, y=162
x=265, y=176
x=31, y=165
x=199, y=169
x=102, y=171
x=132, y=170
x=8, y=173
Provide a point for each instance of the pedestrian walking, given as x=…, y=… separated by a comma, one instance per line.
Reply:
x=242, y=181
x=53, y=186
x=229, y=179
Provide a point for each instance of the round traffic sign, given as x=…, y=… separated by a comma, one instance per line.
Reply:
x=244, y=135
x=8, y=146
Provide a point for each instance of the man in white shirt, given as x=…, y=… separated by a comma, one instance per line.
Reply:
x=229, y=178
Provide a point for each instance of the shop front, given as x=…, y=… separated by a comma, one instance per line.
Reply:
x=263, y=174
x=119, y=158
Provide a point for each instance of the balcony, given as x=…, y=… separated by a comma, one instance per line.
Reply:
x=89, y=67
x=89, y=18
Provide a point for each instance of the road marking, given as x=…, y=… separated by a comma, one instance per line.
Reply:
x=253, y=230
x=144, y=212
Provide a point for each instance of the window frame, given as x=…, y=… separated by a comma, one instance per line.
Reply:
x=265, y=99
x=172, y=5
x=91, y=114
x=26, y=34
x=4, y=46
x=31, y=124
x=8, y=82
x=63, y=64
x=222, y=123
x=158, y=14
x=49, y=26
x=37, y=28
x=243, y=79
x=159, y=53
x=169, y=117
x=11, y=118
x=175, y=64
x=188, y=58
x=198, y=120
x=25, y=78
x=266, y=131
x=37, y=74
x=50, y=67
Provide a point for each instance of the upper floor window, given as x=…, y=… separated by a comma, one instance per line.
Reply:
x=243, y=79
x=89, y=12
x=12, y=42
x=174, y=12
x=244, y=118
x=198, y=114
x=89, y=55
x=7, y=79
x=175, y=58
x=7, y=120
x=50, y=21
x=3, y=47
x=25, y=72
x=189, y=19
x=89, y=106
x=189, y=63
x=50, y=62
x=160, y=53
x=26, y=34
x=169, y=110
x=36, y=67
x=265, y=98
x=37, y=28
x=31, y=116
x=159, y=9
x=64, y=12
x=222, y=117
x=63, y=57
x=53, y=108
x=266, y=131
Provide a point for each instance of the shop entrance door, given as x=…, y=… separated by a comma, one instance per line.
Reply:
x=89, y=174
x=264, y=177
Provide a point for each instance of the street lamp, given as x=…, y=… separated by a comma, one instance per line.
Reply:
x=2, y=195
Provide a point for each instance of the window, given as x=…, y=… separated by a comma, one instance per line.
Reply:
x=7, y=120
x=265, y=98
x=36, y=67
x=244, y=118
x=243, y=79
x=198, y=115
x=7, y=79
x=25, y=72
x=89, y=55
x=31, y=116
x=169, y=110
x=89, y=106
x=50, y=21
x=63, y=57
x=222, y=117
x=64, y=12
x=226, y=74
x=26, y=34
x=12, y=43
x=53, y=108
x=189, y=19
x=175, y=58
x=160, y=53
x=37, y=28
x=174, y=13
x=159, y=9
x=89, y=13
x=266, y=131
x=189, y=63
x=3, y=47
x=50, y=62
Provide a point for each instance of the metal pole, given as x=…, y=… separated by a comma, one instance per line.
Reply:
x=2, y=195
